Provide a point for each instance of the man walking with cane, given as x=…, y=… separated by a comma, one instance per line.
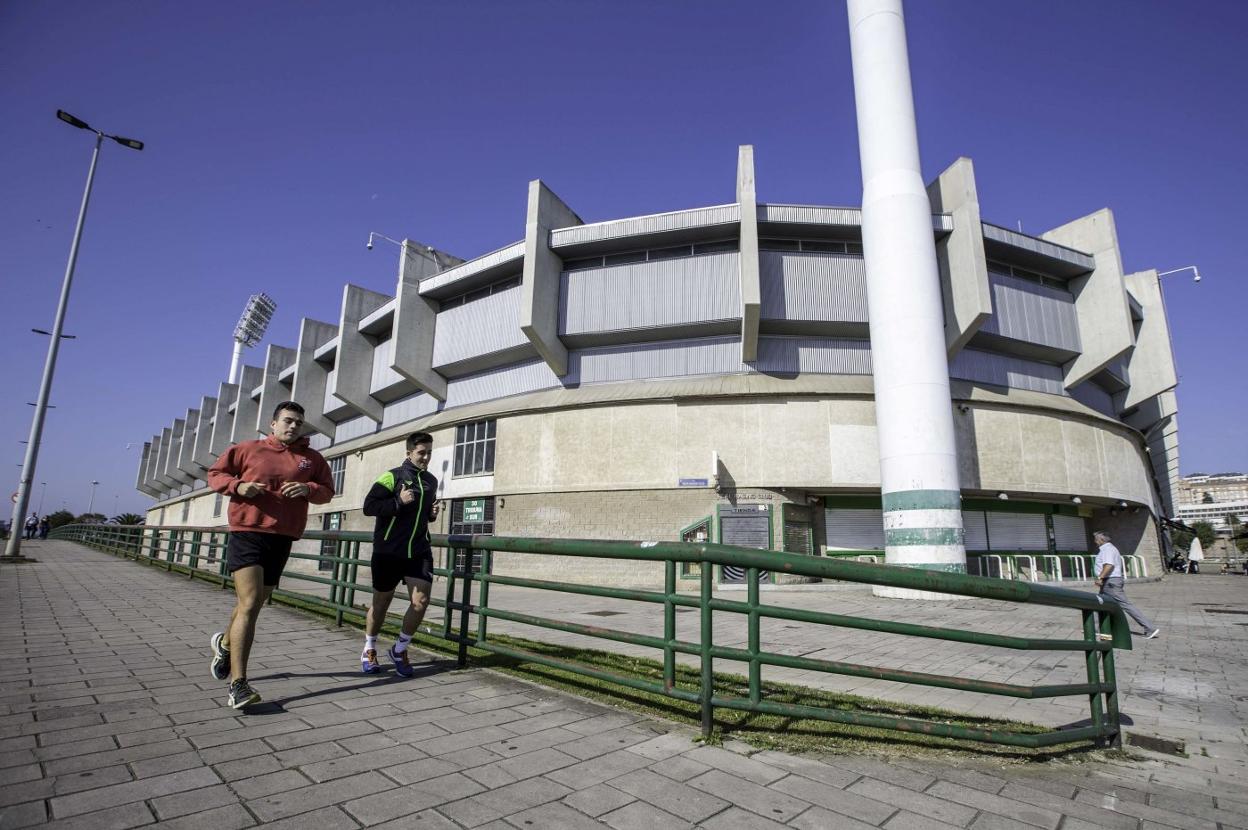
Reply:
x=1109, y=581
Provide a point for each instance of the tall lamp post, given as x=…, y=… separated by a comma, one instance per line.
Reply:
x=13, y=548
x=91, y=501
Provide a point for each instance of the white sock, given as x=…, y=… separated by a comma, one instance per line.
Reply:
x=370, y=643
x=401, y=645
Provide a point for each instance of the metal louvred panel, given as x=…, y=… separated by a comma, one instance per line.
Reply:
x=975, y=527
x=804, y=286
x=854, y=529
x=646, y=295
x=484, y=326
x=1028, y=311
x=1004, y=370
x=654, y=223
x=383, y=375
x=1017, y=531
x=499, y=383
x=1070, y=533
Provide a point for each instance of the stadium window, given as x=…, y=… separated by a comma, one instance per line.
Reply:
x=720, y=246
x=338, y=473
x=474, y=448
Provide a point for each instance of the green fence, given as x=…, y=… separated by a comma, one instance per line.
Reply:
x=199, y=552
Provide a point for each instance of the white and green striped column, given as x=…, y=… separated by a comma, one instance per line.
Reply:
x=913, y=412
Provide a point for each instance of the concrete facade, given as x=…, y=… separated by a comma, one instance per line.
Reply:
x=606, y=361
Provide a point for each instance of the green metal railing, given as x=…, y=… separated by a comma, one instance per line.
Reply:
x=200, y=552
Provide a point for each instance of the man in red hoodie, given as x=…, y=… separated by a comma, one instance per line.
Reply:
x=270, y=483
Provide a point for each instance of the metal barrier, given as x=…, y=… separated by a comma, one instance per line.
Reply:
x=1104, y=627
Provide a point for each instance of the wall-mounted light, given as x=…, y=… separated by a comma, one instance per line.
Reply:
x=1003, y=496
x=1076, y=500
x=502, y=502
x=1122, y=504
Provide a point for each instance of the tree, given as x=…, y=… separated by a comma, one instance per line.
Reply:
x=1204, y=532
x=1242, y=544
x=1182, y=539
x=92, y=518
x=127, y=519
x=60, y=517
x=1232, y=522
x=1207, y=498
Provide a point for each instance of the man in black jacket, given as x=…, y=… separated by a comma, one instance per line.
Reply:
x=404, y=500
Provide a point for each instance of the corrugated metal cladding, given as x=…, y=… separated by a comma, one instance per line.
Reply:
x=474, y=266
x=1003, y=370
x=1035, y=313
x=530, y=376
x=354, y=428
x=718, y=356
x=821, y=215
x=318, y=442
x=810, y=215
x=974, y=530
x=1039, y=246
x=483, y=326
x=643, y=295
x=408, y=409
x=1093, y=396
x=656, y=223
x=383, y=375
x=823, y=287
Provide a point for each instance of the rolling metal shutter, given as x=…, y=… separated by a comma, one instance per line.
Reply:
x=854, y=529
x=1070, y=533
x=976, y=528
x=1017, y=531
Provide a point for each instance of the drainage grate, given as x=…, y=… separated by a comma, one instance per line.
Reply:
x=604, y=613
x=1225, y=611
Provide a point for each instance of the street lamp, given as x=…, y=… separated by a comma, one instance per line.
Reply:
x=91, y=501
x=42, y=492
x=1191, y=268
x=14, y=545
x=429, y=252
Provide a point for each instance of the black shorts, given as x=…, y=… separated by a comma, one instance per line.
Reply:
x=268, y=550
x=389, y=571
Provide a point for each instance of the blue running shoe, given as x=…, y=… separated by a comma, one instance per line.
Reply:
x=220, y=664
x=401, y=666
x=368, y=662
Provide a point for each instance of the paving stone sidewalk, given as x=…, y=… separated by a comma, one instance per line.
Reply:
x=109, y=719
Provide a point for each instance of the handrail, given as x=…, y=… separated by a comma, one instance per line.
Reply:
x=1104, y=627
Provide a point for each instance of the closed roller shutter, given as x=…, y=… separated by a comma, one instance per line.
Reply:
x=1017, y=531
x=976, y=528
x=854, y=529
x=1070, y=533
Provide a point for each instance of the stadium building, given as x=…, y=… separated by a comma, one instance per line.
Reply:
x=707, y=374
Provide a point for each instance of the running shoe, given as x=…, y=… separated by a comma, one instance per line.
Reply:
x=241, y=694
x=220, y=665
x=1150, y=635
x=368, y=662
x=401, y=665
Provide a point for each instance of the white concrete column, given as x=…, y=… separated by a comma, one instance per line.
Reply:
x=918, y=451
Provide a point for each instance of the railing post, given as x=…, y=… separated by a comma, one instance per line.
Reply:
x=452, y=555
x=483, y=592
x=466, y=593
x=669, y=624
x=1111, y=679
x=1094, y=673
x=756, y=674
x=353, y=572
x=337, y=591
x=706, y=639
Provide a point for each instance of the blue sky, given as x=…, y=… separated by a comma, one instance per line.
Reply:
x=280, y=133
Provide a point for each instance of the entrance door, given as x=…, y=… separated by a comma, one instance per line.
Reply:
x=748, y=527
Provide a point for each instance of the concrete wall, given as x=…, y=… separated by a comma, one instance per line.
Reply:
x=751, y=288
x=415, y=320
x=539, y=302
x=311, y=376
x=960, y=256
x=354, y=361
x=276, y=360
x=1105, y=329
x=223, y=420
x=1151, y=365
x=201, y=454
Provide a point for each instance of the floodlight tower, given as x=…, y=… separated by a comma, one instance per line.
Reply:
x=250, y=329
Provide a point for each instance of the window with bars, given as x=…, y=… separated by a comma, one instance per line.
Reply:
x=329, y=547
x=338, y=472
x=472, y=516
x=474, y=448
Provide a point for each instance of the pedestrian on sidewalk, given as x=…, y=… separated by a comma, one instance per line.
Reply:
x=1109, y=579
x=44, y=527
x=270, y=483
x=404, y=501
x=32, y=525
